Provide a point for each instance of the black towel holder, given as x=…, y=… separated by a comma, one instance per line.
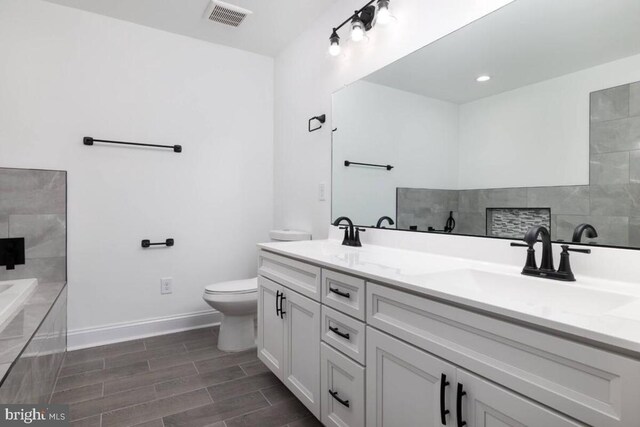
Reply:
x=147, y=243
x=321, y=118
x=349, y=163
x=87, y=140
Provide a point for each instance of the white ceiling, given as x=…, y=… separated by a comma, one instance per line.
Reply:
x=273, y=24
x=525, y=42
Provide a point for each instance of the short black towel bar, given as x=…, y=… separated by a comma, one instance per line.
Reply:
x=147, y=243
x=87, y=140
x=387, y=167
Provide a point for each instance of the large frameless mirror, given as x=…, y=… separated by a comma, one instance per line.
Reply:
x=528, y=116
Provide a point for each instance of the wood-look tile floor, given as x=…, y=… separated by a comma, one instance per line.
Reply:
x=179, y=379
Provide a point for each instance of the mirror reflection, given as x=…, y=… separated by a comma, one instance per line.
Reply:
x=525, y=117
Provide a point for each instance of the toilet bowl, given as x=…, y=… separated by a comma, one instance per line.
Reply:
x=237, y=300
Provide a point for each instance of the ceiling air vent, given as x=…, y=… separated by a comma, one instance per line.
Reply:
x=225, y=13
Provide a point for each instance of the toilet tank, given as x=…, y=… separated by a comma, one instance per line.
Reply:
x=287, y=235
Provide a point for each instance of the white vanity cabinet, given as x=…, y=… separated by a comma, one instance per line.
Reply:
x=364, y=354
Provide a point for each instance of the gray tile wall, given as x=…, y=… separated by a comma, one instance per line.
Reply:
x=424, y=208
x=33, y=205
x=611, y=202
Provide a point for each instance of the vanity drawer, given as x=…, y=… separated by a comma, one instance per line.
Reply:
x=344, y=333
x=342, y=388
x=592, y=385
x=344, y=293
x=298, y=276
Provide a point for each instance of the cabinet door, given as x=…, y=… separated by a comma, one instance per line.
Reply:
x=270, y=327
x=302, y=349
x=404, y=385
x=488, y=405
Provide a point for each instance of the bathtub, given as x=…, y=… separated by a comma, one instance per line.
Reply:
x=13, y=293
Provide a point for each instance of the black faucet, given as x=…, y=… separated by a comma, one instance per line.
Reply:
x=586, y=229
x=12, y=252
x=531, y=237
x=382, y=219
x=546, y=269
x=351, y=233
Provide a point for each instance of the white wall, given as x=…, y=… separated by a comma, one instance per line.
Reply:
x=305, y=77
x=66, y=74
x=381, y=125
x=536, y=135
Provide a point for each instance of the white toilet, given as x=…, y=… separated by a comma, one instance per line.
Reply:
x=237, y=300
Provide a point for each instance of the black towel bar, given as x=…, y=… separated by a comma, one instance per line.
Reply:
x=147, y=243
x=87, y=140
x=387, y=167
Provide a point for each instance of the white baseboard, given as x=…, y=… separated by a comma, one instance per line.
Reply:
x=118, y=332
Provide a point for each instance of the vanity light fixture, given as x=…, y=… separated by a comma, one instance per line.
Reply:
x=483, y=78
x=360, y=22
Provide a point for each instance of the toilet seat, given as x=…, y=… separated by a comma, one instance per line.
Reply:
x=234, y=287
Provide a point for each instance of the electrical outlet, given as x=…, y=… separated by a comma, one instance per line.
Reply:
x=322, y=192
x=166, y=285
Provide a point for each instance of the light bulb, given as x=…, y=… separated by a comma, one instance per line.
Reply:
x=334, y=49
x=357, y=30
x=384, y=16
x=484, y=78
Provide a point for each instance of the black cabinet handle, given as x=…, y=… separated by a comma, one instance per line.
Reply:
x=336, y=331
x=443, y=411
x=334, y=394
x=459, y=395
x=282, y=298
x=339, y=292
x=278, y=307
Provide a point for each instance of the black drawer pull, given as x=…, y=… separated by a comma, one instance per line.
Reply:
x=459, y=395
x=443, y=411
x=334, y=394
x=336, y=331
x=339, y=292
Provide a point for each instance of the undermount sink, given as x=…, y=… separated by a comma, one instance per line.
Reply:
x=13, y=294
x=533, y=295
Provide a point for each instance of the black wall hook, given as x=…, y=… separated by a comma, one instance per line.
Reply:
x=87, y=140
x=321, y=118
x=147, y=243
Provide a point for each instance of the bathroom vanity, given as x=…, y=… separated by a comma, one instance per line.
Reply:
x=383, y=336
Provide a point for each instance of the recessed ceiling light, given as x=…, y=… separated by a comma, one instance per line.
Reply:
x=483, y=79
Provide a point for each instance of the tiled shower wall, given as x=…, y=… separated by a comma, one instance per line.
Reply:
x=33, y=205
x=611, y=202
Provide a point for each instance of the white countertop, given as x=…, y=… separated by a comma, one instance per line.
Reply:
x=603, y=311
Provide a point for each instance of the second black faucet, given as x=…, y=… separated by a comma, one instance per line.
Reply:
x=351, y=232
